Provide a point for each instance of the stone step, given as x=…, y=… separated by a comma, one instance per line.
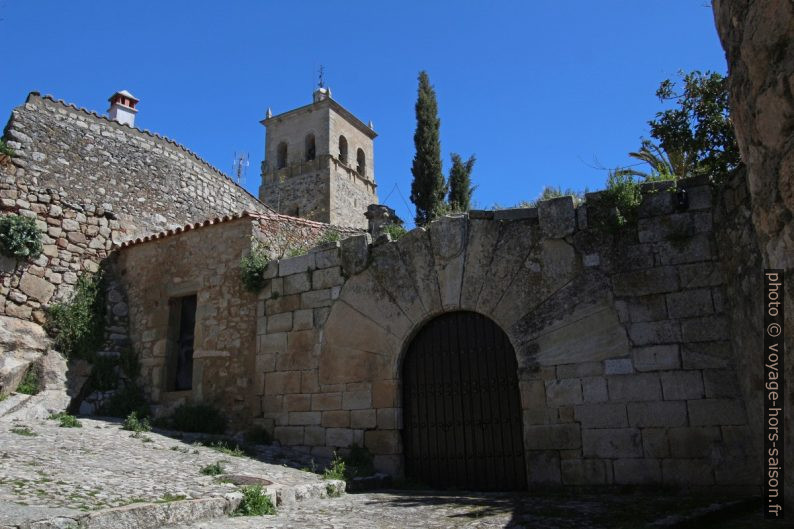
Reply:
x=12, y=403
x=157, y=515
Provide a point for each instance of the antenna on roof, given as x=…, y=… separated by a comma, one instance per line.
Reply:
x=240, y=166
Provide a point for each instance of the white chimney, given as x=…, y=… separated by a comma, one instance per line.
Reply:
x=122, y=108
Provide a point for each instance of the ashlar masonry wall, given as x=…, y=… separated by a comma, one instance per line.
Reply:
x=625, y=366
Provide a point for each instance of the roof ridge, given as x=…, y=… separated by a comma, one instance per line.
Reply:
x=226, y=218
x=198, y=158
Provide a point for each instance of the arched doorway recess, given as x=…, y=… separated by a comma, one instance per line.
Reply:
x=461, y=406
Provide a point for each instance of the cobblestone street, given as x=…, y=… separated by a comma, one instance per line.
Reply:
x=409, y=510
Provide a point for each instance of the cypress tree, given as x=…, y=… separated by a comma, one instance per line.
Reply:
x=460, y=188
x=428, y=187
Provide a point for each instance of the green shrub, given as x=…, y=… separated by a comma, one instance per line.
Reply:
x=254, y=502
x=135, y=424
x=622, y=195
x=19, y=237
x=78, y=326
x=358, y=462
x=252, y=268
x=329, y=236
x=5, y=149
x=127, y=399
x=23, y=430
x=66, y=420
x=214, y=469
x=336, y=470
x=258, y=435
x=226, y=448
x=168, y=498
x=200, y=418
x=30, y=384
x=395, y=231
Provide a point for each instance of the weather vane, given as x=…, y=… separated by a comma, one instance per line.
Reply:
x=321, y=84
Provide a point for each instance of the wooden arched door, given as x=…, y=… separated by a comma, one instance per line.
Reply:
x=461, y=406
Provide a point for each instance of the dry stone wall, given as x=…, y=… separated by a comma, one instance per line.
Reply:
x=625, y=362
x=76, y=238
x=147, y=181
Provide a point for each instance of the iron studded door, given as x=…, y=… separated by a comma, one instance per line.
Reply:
x=461, y=406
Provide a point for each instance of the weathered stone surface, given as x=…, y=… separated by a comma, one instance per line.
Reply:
x=611, y=443
x=355, y=254
x=552, y=437
x=583, y=471
x=36, y=288
x=657, y=414
x=637, y=471
x=448, y=240
x=606, y=415
x=681, y=385
x=713, y=412
x=482, y=238
x=637, y=387
x=557, y=217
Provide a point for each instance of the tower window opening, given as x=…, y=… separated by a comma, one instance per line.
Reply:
x=281, y=156
x=343, y=149
x=361, y=162
x=310, y=147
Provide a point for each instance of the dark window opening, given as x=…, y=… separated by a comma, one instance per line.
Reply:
x=343, y=149
x=181, y=333
x=361, y=162
x=281, y=156
x=310, y=148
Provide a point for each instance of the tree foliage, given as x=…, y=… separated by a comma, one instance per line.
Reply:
x=460, y=188
x=428, y=187
x=695, y=137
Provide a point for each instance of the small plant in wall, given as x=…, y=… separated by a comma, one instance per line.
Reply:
x=78, y=326
x=20, y=239
x=5, y=149
x=252, y=267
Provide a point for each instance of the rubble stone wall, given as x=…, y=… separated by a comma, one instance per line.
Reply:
x=147, y=181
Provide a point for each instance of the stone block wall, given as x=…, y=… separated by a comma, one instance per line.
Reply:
x=147, y=181
x=204, y=259
x=626, y=370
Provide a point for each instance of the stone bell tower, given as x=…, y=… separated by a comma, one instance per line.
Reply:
x=319, y=163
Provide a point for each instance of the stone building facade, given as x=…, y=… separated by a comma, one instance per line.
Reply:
x=625, y=373
x=319, y=163
x=625, y=351
x=203, y=260
x=90, y=183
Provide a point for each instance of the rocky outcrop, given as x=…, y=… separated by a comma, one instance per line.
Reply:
x=21, y=344
x=758, y=38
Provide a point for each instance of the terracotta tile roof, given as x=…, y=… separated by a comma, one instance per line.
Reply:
x=234, y=216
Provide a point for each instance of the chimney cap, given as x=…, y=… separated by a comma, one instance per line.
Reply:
x=124, y=93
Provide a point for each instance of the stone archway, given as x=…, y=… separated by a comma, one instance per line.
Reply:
x=462, y=423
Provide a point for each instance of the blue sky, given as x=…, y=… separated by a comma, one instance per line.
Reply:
x=543, y=92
